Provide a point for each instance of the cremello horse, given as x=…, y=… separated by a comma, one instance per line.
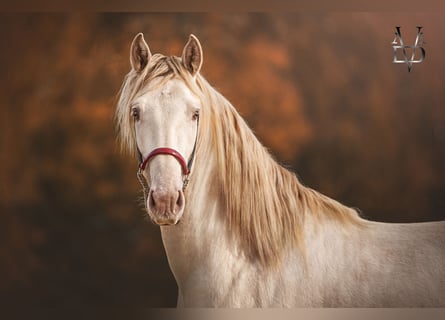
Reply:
x=245, y=232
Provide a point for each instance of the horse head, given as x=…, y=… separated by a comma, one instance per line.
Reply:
x=165, y=110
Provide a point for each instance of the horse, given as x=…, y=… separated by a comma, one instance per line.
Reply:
x=238, y=229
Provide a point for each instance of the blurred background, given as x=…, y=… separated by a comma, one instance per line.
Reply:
x=320, y=91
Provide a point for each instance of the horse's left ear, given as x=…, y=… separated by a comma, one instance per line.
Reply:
x=192, y=55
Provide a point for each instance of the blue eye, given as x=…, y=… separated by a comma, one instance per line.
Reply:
x=135, y=113
x=195, y=115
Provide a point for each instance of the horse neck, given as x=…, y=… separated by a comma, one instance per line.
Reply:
x=201, y=231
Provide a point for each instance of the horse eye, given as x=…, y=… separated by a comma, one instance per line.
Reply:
x=195, y=115
x=135, y=113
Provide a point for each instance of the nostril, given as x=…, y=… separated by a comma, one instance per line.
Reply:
x=180, y=201
x=151, y=201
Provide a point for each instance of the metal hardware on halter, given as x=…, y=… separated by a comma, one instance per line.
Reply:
x=145, y=186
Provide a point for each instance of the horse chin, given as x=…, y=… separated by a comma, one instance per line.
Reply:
x=170, y=220
x=166, y=222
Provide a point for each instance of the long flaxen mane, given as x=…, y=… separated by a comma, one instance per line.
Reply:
x=266, y=205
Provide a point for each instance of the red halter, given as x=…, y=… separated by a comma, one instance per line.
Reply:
x=168, y=151
x=186, y=166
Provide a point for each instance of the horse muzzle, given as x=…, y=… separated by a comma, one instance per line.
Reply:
x=165, y=207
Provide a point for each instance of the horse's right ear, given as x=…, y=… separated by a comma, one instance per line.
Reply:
x=139, y=53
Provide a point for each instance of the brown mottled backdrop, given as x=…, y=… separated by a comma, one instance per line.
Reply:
x=320, y=91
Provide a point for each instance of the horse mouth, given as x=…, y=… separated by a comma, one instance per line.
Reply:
x=164, y=221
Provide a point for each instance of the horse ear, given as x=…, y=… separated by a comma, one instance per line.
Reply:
x=192, y=55
x=139, y=53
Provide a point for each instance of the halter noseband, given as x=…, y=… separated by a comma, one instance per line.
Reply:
x=185, y=167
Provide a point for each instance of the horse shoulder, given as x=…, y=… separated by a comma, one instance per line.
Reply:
x=376, y=264
x=403, y=264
